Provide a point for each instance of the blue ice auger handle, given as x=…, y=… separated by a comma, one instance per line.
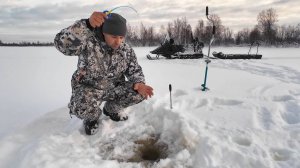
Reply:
x=205, y=78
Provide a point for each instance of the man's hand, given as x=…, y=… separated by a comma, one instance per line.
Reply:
x=144, y=90
x=97, y=19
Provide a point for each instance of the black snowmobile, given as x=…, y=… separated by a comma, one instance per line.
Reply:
x=170, y=50
x=221, y=55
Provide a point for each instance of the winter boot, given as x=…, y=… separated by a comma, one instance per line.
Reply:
x=91, y=127
x=114, y=116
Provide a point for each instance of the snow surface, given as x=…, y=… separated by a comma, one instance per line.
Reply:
x=249, y=118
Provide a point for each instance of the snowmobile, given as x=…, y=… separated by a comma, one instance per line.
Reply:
x=169, y=50
x=221, y=55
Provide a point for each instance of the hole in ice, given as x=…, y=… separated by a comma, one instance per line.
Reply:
x=149, y=150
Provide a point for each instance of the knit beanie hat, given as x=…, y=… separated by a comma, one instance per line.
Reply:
x=115, y=24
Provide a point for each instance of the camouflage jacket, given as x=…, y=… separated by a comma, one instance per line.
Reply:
x=99, y=65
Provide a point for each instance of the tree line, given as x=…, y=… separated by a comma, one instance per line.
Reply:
x=266, y=32
x=26, y=44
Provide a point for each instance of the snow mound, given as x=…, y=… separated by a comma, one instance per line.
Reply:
x=117, y=143
x=157, y=136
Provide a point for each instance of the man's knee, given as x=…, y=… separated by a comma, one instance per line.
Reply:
x=129, y=99
x=85, y=111
x=85, y=104
x=120, y=90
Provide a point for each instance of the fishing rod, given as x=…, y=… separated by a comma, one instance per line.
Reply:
x=108, y=12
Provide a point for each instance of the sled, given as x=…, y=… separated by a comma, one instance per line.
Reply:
x=177, y=56
x=221, y=55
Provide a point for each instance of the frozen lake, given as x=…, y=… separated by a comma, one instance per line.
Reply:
x=249, y=118
x=36, y=80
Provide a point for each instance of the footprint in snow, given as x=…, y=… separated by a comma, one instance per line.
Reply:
x=243, y=141
x=283, y=98
x=178, y=93
x=291, y=113
x=226, y=102
x=280, y=154
x=266, y=119
x=260, y=90
x=295, y=134
x=295, y=92
x=201, y=103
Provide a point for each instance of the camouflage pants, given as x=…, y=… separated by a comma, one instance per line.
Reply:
x=85, y=101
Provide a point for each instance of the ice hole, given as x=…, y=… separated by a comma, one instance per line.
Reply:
x=149, y=150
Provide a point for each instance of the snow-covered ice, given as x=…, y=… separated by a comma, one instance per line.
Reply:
x=249, y=118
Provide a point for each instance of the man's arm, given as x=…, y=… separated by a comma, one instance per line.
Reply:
x=72, y=40
x=135, y=74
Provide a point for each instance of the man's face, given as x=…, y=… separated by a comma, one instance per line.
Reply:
x=113, y=41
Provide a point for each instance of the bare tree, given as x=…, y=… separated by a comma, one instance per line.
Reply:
x=281, y=32
x=238, y=38
x=199, y=30
x=180, y=30
x=150, y=36
x=143, y=34
x=267, y=23
x=254, y=35
x=189, y=34
x=131, y=36
x=170, y=29
x=183, y=30
x=186, y=31
x=298, y=33
x=227, y=36
x=242, y=36
x=219, y=28
x=176, y=29
x=161, y=35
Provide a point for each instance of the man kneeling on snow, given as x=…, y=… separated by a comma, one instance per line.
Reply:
x=107, y=69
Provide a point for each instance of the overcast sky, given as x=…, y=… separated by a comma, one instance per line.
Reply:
x=33, y=20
